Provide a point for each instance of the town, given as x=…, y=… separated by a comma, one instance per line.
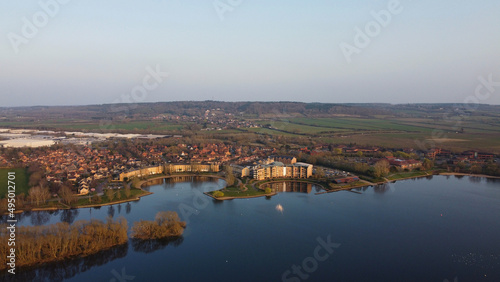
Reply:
x=92, y=164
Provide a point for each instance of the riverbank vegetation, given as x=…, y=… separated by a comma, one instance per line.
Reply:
x=166, y=225
x=61, y=241
x=40, y=199
x=40, y=244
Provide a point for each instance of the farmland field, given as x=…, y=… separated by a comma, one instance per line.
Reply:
x=400, y=126
x=149, y=126
x=419, y=133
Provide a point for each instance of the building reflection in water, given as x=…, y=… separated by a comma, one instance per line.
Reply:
x=289, y=186
x=170, y=181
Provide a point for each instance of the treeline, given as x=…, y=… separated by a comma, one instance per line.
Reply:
x=39, y=244
x=379, y=169
x=489, y=168
x=192, y=108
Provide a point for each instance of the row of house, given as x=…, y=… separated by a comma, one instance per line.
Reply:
x=404, y=164
x=470, y=155
x=169, y=168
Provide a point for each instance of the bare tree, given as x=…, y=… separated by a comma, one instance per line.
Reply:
x=66, y=195
x=381, y=168
x=230, y=179
x=39, y=195
x=110, y=194
x=127, y=191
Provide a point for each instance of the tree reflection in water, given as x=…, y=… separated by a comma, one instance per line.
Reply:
x=111, y=211
x=59, y=271
x=69, y=215
x=475, y=179
x=40, y=217
x=149, y=246
x=381, y=188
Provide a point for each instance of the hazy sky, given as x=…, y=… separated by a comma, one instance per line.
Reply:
x=95, y=52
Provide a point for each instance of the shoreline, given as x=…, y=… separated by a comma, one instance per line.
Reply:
x=137, y=198
x=468, y=174
x=361, y=185
x=243, y=197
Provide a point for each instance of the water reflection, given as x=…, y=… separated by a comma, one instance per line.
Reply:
x=289, y=186
x=492, y=180
x=69, y=215
x=111, y=211
x=381, y=188
x=196, y=180
x=59, y=271
x=154, y=182
x=475, y=179
x=128, y=208
x=40, y=217
x=149, y=246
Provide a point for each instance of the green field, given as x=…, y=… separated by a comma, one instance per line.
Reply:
x=235, y=192
x=147, y=125
x=403, y=175
x=406, y=127
x=474, y=133
x=21, y=181
x=134, y=193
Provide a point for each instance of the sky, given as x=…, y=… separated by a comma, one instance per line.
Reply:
x=76, y=52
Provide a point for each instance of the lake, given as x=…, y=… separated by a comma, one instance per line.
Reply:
x=429, y=229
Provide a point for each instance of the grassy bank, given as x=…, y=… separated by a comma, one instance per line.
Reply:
x=21, y=181
x=236, y=192
x=405, y=175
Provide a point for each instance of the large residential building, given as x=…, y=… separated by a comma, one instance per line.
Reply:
x=280, y=170
x=274, y=167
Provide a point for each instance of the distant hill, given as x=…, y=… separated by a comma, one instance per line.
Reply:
x=244, y=109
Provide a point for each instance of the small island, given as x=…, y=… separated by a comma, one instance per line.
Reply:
x=61, y=241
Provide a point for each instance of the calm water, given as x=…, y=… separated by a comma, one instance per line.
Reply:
x=415, y=230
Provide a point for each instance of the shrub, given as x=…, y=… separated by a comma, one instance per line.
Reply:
x=218, y=194
x=165, y=225
x=268, y=190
